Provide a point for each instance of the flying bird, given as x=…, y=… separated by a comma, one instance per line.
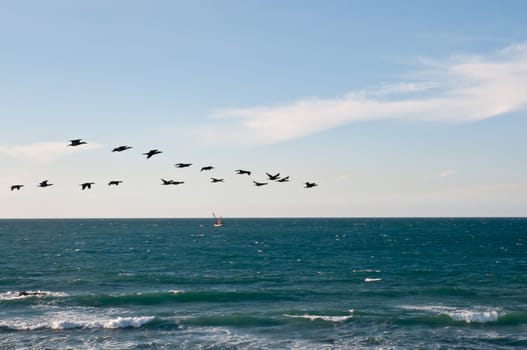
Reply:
x=87, y=185
x=258, y=184
x=151, y=153
x=207, y=168
x=171, y=182
x=310, y=184
x=243, y=172
x=114, y=182
x=121, y=148
x=77, y=142
x=16, y=187
x=273, y=177
x=183, y=165
x=44, y=184
x=214, y=180
x=284, y=179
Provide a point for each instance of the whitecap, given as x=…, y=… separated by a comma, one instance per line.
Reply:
x=367, y=270
x=478, y=316
x=113, y=323
x=327, y=318
x=30, y=294
x=473, y=315
x=126, y=274
x=67, y=320
x=372, y=279
x=127, y=322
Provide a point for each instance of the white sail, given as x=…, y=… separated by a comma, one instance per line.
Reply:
x=217, y=221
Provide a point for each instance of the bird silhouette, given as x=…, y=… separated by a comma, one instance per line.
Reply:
x=151, y=153
x=258, y=184
x=16, y=187
x=44, y=184
x=214, y=180
x=87, y=185
x=121, y=148
x=77, y=142
x=310, y=184
x=183, y=165
x=206, y=168
x=114, y=182
x=284, y=179
x=171, y=182
x=243, y=172
x=273, y=177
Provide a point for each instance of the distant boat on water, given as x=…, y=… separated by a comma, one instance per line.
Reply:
x=217, y=221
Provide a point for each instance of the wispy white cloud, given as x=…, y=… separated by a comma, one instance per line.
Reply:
x=44, y=151
x=446, y=173
x=459, y=89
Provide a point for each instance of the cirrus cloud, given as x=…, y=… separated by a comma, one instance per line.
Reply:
x=460, y=89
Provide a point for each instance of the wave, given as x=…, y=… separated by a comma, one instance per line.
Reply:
x=159, y=298
x=367, y=279
x=178, y=296
x=20, y=295
x=119, y=322
x=470, y=315
x=64, y=321
x=327, y=318
x=513, y=318
x=367, y=271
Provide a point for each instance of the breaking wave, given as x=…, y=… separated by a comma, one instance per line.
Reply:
x=327, y=318
x=30, y=294
x=471, y=315
x=372, y=279
x=63, y=321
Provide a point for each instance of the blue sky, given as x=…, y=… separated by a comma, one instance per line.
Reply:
x=404, y=108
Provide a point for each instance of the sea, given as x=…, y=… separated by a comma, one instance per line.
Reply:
x=288, y=283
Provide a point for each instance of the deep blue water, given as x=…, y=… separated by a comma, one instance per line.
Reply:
x=264, y=284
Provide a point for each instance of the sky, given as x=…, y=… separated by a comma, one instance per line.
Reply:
x=394, y=108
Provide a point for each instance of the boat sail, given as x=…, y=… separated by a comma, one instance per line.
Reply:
x=217, y=221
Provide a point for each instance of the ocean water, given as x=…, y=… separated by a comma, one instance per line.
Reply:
x=264, y=284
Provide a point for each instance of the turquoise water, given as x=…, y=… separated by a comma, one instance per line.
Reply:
x=264, y=284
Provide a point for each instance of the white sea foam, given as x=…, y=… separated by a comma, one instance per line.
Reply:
x=473, y=315
x=126, y=274
x=219, y=337
x=327, y=318
x=30, y=294
x=372, y=279
x=70, y=320
x=223, y=338
x=112, y=323
x=367, y=270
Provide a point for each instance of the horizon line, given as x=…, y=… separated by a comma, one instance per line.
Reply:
x=265, y=217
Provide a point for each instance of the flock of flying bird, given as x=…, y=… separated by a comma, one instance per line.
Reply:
x=153, y=152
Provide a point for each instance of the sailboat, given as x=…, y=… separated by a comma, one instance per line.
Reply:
x=217, y=221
